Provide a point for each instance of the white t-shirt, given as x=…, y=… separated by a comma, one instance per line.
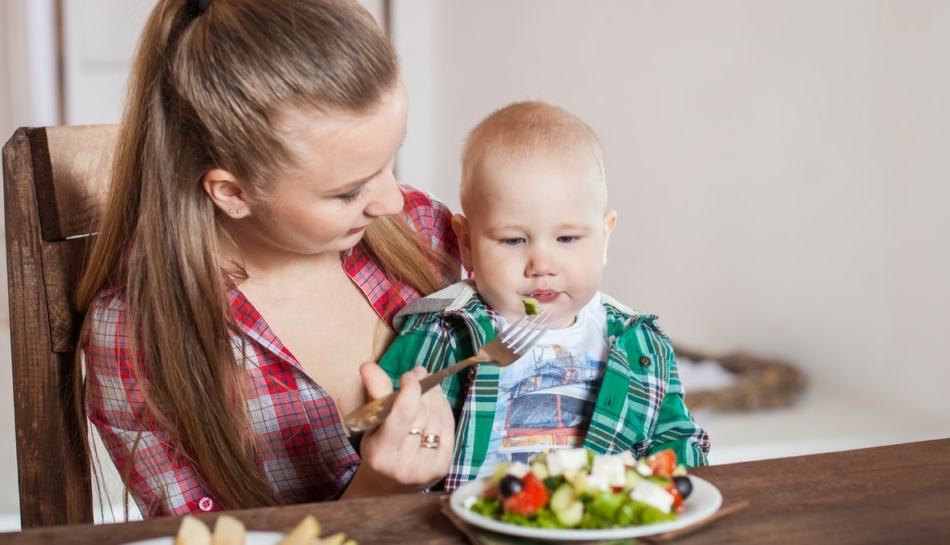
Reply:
x=546, y=397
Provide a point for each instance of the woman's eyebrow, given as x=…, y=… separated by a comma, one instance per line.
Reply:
x=350, y=186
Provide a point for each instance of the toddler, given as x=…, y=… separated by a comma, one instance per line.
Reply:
x=536, y=224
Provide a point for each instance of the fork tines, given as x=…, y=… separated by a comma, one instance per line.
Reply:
x=519, y=338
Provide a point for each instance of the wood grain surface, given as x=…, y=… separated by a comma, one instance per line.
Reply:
x=891, y=494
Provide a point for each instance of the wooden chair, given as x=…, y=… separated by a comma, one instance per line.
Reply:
x=54, y=185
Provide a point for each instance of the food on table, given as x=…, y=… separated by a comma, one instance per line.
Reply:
x=192, y=532
x=531, y=306
x=304, y=533
x=575, y=488
x=230, y=531
x=227, y=530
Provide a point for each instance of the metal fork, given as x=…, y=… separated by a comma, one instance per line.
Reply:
x=508, y=346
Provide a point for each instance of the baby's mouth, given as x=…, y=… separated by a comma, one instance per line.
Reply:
x=545, y=296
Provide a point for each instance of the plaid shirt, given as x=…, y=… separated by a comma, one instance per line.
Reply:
x=304, y=451
x=639, y=407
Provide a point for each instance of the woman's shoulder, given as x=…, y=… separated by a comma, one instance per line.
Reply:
x=111, y=299
x=105, y=325
x=426, y=212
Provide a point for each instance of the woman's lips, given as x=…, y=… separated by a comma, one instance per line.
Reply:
x=357, y=230
x=546, y=296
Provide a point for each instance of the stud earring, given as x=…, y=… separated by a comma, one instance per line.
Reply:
x=235, y=211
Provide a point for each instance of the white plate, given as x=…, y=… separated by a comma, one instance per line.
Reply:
x=252, y=538
x=702, y=502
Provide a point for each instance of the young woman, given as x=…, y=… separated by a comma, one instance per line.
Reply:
x=253, y=252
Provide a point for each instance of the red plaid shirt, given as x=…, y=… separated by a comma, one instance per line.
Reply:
x=304, y=451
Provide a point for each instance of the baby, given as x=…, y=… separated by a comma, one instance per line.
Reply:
x=536, y=225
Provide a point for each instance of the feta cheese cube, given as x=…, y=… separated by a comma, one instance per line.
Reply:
x=597, y=482
x=643, y=468
x=611, y=468
x=564, y=459
x=628, y=458
x=650, y=493
x=518, y=469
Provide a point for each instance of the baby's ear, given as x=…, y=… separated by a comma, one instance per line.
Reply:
x=610, y=221
x=460, y=226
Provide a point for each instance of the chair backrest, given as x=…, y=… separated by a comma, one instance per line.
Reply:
x=54, y=186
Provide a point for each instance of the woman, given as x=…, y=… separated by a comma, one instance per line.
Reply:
x=253, y=252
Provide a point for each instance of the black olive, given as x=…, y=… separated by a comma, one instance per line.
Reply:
x=684, y=485
x=509, y=486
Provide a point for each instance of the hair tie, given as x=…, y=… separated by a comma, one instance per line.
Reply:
x=199, y=6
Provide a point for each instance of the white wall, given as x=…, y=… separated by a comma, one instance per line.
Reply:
x=781, y=169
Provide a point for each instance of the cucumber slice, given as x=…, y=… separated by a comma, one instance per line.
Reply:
x=572, y=515
x=633, y=479
x=499, y=473
x=562, y=497
x=565, y=506
x=531, y=306
x=540, y=470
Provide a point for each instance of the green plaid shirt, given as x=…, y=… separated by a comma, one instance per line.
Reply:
x=639, y=407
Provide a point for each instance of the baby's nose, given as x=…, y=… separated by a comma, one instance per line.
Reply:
x=541, y=264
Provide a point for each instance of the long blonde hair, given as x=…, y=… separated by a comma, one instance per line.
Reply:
x=206, y=91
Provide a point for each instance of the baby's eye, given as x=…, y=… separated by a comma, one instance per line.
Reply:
x=512, y=241
x=567, y=239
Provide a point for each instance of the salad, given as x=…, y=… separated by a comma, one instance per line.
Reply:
x=575, y=488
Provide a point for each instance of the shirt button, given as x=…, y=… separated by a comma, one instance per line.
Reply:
x=205, y=504
x=644, y=361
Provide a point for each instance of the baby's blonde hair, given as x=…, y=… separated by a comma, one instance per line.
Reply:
x=522, y=130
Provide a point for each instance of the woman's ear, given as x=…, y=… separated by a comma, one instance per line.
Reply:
x=610, y=221
x=460, y=226
x=226, y=192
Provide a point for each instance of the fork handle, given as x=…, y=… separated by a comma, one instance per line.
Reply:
x=373, y=413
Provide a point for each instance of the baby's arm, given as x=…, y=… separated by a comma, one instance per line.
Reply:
x=429, y=343
x=675, y=427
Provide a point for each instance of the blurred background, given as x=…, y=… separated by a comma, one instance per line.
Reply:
x=781, y=171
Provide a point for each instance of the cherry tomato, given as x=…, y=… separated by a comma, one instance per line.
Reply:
x=662, y=463
x=532, y=496
x=677, y=497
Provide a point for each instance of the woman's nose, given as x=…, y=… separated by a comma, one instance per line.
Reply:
x=387, y=199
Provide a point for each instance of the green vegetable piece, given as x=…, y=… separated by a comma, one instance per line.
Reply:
x=571, y=515
x=531, y=306
x=499, y=473
x=605, y=504
x=633, y=479
x=561, y=498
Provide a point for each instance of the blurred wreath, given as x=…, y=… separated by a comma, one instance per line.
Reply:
x=759, y=382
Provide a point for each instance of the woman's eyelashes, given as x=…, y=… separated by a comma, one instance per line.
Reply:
x=353, y=195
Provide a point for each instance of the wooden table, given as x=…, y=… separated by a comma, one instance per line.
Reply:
x=893, y=494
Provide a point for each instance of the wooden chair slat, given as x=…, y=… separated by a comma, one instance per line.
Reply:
x=73, y=167
x=54, y=183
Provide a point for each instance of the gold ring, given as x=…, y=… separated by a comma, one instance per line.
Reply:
x=430, y=441
x=415, y=431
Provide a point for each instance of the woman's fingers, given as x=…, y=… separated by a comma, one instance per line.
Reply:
x=397, y=448
x=375, y=380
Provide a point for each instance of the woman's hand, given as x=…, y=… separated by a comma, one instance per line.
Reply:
x=395, y=458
